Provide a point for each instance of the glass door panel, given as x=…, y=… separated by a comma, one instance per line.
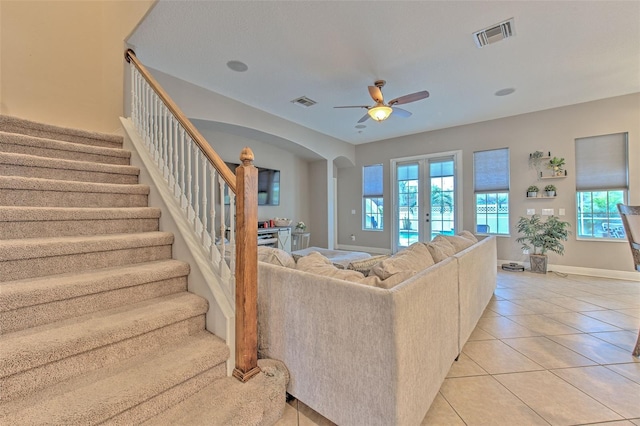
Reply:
x=408, y=226
x=442, y=197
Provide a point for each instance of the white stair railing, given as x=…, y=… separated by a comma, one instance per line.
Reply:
x=204, y=186
x=206, y=198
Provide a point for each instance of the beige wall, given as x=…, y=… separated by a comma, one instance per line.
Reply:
x=552, y=130
x=62, y=61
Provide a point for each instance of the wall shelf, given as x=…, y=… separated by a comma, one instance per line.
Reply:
x=553, y=177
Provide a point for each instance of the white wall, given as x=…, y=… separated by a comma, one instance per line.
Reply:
x=294, y=171
x=552, y=130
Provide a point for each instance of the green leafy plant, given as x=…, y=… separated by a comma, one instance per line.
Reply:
x=550, y=188
x=542, y=236
x=532, y=188
x=556, y=165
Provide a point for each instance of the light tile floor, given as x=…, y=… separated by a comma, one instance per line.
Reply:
x=549, y=349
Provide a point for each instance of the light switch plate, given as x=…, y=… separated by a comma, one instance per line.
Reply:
x=561, y=212
x=353, y=212
x=547, y=212
x=531, y=212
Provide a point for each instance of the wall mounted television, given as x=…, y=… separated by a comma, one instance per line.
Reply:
x=268, y=185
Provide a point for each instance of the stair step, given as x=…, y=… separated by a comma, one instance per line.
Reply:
x=42, y=356
x=38, y=222
x=24, y=191
x=55, y=168
x=32, y=128
x=37, y=257
x=128, y=392
x=21, y=144
x=230, y=402
x=37, y=301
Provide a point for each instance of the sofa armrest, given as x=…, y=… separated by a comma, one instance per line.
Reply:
x=478, y=271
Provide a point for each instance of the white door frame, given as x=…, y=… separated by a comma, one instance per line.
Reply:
x=457, y=179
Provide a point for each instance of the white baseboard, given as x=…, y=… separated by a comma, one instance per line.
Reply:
x=593, y=272
x=375, y=250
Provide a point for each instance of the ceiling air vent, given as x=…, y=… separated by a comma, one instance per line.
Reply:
x=494, y=33
x=303, y=101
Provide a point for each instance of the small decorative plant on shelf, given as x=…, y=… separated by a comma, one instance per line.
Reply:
x=542, y=236
x=556, y=165
x=550, y=190
x=532, y=191
x=301, y=227
x=535, y=159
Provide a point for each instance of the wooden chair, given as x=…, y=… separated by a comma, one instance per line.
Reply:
x=631, y=221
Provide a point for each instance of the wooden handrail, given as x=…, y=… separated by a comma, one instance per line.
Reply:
x=197, y=137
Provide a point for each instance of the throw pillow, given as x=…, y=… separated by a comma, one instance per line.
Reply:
x=458, y=242
x=468, y=235
x=390, y=282
x=316, y=263
x=275, y=256
x=414, y=258
x=365, y=265
x=440, y=248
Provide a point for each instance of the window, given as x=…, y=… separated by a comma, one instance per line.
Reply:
x=372, y=198
x=601, y=183
x=491, y=187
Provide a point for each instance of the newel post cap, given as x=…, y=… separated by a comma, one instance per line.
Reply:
x=246, y=156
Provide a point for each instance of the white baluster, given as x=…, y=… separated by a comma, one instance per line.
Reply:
x=205, y=213
x=212, y=173
x=223, y=217
x=196, y=190
x=189, y=172
x=183, y=159
x=171, y=132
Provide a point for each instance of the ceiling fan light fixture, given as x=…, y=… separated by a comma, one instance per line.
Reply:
x=380, y=112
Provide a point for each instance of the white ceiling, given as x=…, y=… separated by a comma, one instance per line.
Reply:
x=562, y=53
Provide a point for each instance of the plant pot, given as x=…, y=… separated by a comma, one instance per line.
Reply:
x=538, y=263
x=532, y=194
x=551, y=193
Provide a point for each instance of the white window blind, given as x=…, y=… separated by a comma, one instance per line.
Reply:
x=601, y=162
x=491, y=170
x=372, y=181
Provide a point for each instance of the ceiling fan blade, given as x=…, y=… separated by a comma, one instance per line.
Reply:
x=399, y=112
x=376, y=94
x=352, y=106
x=364, y=118
x=409, y=98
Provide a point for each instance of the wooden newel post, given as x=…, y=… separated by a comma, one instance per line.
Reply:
x=246, y=268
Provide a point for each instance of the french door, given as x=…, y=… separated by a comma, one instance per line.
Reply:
x=425, y=198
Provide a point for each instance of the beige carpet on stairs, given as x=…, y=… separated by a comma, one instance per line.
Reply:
x=96, y=323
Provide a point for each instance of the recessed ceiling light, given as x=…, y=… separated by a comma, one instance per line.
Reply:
x=360, y=126
x=505, y=92
x=237, y=66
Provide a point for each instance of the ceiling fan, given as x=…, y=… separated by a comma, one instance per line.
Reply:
x=381, y=111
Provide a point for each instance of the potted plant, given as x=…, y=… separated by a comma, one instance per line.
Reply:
x=550, y=190
x=556, y=164
x=542, y=236
x=532, y=191
x=535, y=159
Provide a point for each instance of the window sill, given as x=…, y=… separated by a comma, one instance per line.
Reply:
x=603, y=240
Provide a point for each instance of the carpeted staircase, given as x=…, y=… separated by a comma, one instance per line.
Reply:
x=96, y=323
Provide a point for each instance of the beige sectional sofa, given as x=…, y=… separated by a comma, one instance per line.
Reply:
x=361, y=354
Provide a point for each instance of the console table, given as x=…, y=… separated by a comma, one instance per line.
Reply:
x=275, y=237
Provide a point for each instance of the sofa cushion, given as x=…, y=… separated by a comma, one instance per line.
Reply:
x=440, y=248
x=458, y=242
x=413, y=259
x=365, y=265
x=316, y=263
x=275, y=256
x=392, y=281
x=468, y=235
